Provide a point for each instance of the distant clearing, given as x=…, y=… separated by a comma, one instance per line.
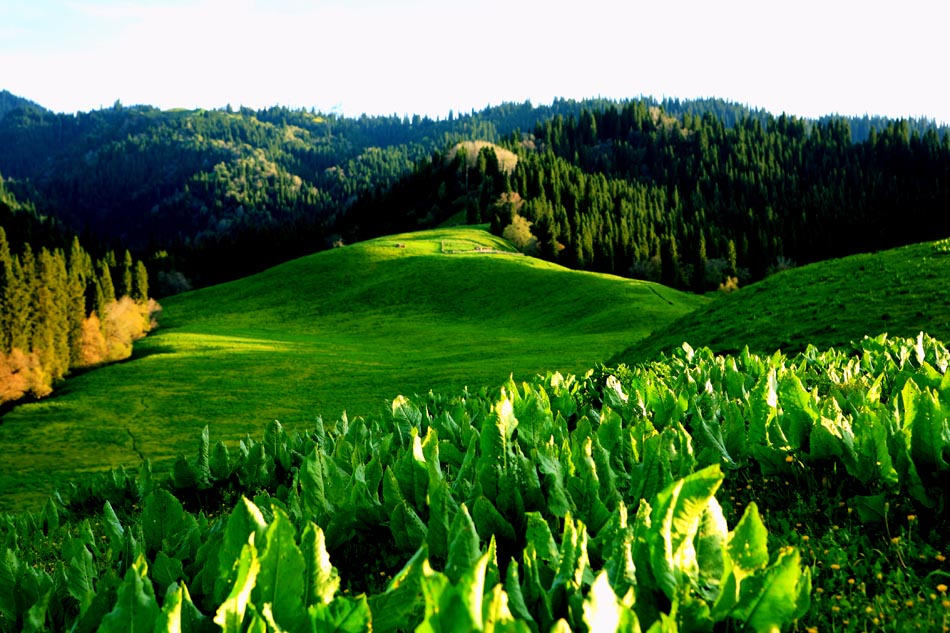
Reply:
x=507, y=160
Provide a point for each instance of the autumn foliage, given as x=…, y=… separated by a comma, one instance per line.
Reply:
x=60, y=312
x=22, y=374
x=111, y=339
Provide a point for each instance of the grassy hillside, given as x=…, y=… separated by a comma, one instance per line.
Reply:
x=901, y=291
x=347, y=329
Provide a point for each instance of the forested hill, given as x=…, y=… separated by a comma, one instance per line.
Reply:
x=690, y=201
x=23, y=224
x=215, y=195
x=9, y=101
x=225, y=192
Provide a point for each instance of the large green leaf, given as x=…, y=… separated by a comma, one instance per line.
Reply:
x=280, y=581
x=411, y=473
x=516, y=601
x=50, y=515
x=162, y=518
x=534, y=590
x=463, y=548
x=166, y=571
x=80, y=575
x=179, y=614
x=538, y=536
x=441, y=507
x=257, y=469
x=136, y=609
x=446, y=610
x=275, y=444
x=771, y=599
x=498, y=617
x=342, y=615
x=114, y=530
x=464, y=484
x=746, y=554
x=710, y=541
x=610, y=435
x=614, y=545
x=764, y=404
x=406, y=417
x=496, y=451
x=735, y=432
x=553, y=481
x=455, y=606
x=490, y=521
x=573, y=572
x=220, y=462
x=678, y=511
x=230, y=615
x=407, y=528
x=35, y=619
x=321, y=579
x=873, y=446
x=929, y=429
x=402, y=600
x=585, y=487
x=202, y=467
x=799, y=410
x=710, y=441
x=245, y=520
x=604, y=611
x=313, y=496
x=169, y=621
x=534, y=416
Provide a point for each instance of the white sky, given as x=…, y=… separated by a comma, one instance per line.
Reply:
x=809, y=57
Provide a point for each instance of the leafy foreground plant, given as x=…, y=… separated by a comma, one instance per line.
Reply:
x=506, y=524
x=512, y=509
x=674, y=564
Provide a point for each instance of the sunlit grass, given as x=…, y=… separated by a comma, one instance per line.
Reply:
x=344, y=330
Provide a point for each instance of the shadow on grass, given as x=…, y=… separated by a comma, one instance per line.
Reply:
x=66, y=387
x=140, y=352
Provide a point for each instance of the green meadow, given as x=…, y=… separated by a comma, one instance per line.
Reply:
x=901, y=292
x=345, y=330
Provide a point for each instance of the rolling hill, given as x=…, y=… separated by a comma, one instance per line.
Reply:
x=343, y=330
x=900, y=291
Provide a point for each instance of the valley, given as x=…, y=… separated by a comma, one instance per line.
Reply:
x=343, y=331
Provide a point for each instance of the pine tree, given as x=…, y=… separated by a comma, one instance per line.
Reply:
x=105, y=290
x=21, y=301
x=699, y=272
x=6, y=284
x=79, y=271
x=732, y=258
x=669, y=260
x=140, y=283
x=51, y=328
x=128, y=269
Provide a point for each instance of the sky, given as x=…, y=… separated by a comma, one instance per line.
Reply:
x=429, y=57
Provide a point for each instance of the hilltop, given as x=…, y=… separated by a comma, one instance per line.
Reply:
x=348, y=330
x=899, y=291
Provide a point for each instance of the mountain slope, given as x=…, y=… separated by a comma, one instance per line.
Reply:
x=10, y=101
x=346, y=329
x=900, y=291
